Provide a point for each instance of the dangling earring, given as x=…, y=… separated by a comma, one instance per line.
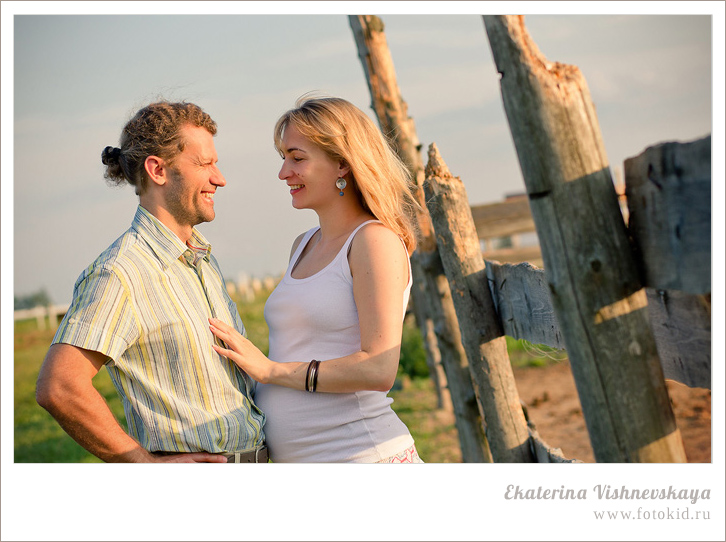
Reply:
x=341, y=184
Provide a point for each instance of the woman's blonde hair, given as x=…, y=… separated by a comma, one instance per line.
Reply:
x=346, y=134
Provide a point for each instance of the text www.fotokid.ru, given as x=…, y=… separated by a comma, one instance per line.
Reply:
x=651, y=514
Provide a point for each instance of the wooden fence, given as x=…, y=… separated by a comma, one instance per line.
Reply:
x=677, y=289
x=47, y=317
x=630, y=302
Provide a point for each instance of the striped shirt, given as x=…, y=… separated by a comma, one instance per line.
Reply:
x=145, y=303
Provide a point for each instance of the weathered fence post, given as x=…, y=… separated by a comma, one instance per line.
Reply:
x=595, y=288
x=391, y=112
x=431, y=295
x=481, y=331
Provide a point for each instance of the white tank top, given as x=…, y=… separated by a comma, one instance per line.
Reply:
x=316, y=318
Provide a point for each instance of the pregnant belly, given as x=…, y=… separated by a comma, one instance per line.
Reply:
x=324, y=427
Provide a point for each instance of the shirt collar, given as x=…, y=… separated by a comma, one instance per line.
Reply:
x=164, y=242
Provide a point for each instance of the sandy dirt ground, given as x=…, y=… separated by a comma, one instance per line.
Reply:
x=553, y=405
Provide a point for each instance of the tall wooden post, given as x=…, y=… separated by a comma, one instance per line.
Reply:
x=481, y=331
x=595, y=288
x=431, y=294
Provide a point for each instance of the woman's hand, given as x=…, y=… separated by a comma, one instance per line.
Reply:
x=241, y=351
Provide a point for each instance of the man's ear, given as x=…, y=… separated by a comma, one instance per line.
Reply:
x=156, y=169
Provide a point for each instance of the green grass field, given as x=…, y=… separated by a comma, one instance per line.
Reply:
x=39, y=439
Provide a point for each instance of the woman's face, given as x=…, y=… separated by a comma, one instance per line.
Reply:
x=308, y=171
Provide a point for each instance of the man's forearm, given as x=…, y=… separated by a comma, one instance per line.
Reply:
x=87, y=418
x=65, y=389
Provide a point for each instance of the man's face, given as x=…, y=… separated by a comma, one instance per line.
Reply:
x=194, y=179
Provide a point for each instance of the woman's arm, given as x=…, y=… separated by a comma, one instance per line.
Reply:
x=379, y=265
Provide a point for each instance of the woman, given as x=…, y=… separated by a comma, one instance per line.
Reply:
x=336, y=317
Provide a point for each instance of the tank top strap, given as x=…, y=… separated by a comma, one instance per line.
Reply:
x=345, y=251
x=300, y=247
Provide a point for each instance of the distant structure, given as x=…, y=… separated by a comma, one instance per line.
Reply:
x=246, y=287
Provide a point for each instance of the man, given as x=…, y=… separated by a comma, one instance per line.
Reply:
x=142, y=309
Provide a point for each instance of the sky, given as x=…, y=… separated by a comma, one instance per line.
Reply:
x=79, y=78
x=73, y=73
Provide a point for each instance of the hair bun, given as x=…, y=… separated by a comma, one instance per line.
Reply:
x=110, y=155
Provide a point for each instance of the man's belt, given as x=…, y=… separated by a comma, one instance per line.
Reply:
x=257, y=455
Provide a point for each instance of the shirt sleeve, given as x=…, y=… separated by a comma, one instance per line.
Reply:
x=101, y=317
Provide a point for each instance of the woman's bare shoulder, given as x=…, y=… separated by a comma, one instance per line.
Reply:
x=375, y=232
x=374, y=242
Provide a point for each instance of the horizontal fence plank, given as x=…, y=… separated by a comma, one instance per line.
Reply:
x=27, y=314
x=40, y=313
x=523, y=304
x=55, y=310
x=668, y=189
x=681, y=323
